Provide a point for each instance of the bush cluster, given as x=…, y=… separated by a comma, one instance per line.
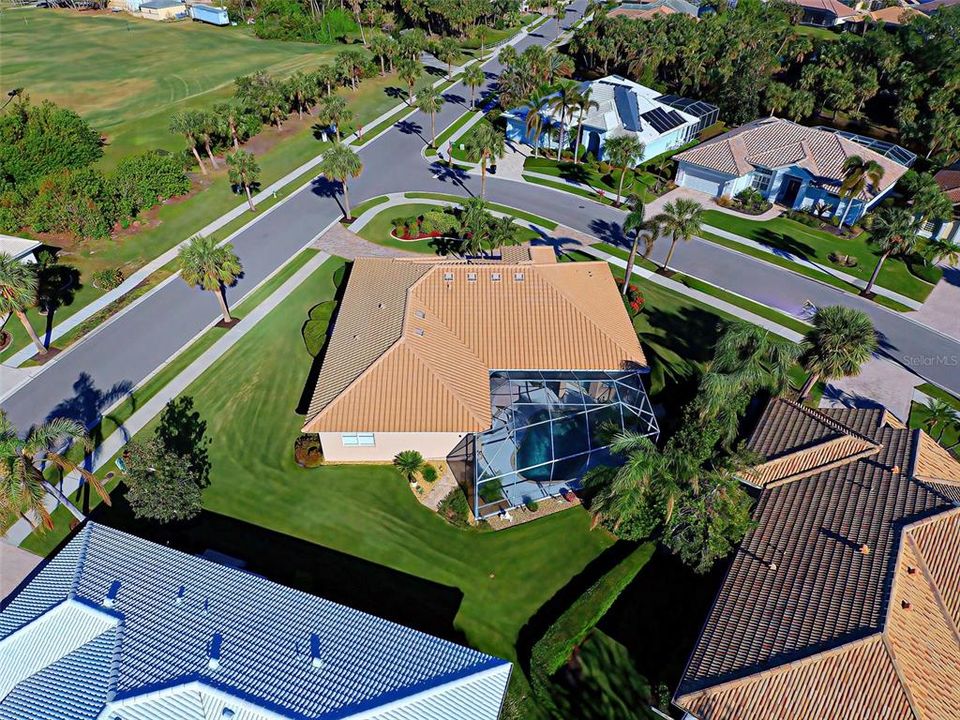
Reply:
x=289, y=20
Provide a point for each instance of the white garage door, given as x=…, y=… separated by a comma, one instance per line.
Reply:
x=701, y=180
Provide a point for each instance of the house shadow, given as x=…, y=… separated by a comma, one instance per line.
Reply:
x=366, y=586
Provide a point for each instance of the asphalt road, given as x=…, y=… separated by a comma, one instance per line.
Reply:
x=109, y=362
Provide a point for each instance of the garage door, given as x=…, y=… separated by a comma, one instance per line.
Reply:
x=701, y=180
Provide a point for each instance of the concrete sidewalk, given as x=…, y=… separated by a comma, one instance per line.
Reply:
x=152, y=407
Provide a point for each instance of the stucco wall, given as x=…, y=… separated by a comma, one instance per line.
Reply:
x=433, y=446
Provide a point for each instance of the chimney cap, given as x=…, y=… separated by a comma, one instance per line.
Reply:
x=110, y=598
x=215, y=646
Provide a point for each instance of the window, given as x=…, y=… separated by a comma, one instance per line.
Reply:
x=760, y=180
x=357, y=439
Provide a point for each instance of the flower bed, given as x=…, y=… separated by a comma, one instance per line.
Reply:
x=748, y=202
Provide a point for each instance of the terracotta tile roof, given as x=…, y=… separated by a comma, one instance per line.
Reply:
x=414, y=341
x=774, y=143
x=933, y=462
x=805, y=624
x=949, y=180
x=895, y=14
x=830, y=6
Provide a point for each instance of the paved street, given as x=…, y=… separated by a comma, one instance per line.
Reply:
x=122, y=353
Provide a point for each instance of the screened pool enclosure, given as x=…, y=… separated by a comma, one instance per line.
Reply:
x=549, y=428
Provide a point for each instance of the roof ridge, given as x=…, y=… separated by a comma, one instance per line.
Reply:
x=907, y=691
x=829, y=421
x=81, y=557
x=938, y=596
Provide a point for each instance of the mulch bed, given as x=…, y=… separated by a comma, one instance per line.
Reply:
x=52, y=352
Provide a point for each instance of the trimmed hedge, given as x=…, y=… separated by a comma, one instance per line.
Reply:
x=569, y=630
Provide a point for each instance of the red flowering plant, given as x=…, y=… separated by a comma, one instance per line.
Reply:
x=633, y=300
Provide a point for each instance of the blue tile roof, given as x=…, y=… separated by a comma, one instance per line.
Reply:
x=173, y=608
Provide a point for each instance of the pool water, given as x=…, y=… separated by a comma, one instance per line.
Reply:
x=534, y=448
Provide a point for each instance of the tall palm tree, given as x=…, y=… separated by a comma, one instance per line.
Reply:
x=446, y=51
x=23, y=486
x=229, y=113
x=485, y=142
x=584, y=104
x=633, y=223
x=244, y=171
x=562, y=106
x=409, y=72
x=474, y=78
x=206, y=130
x=383, y=48
x=341, y=163
x=185, y=123
x=430, y=101
x=681, y=220
x=622, y=152
x=894, y=232
x=333, y=111
x=326, y=77
x=409, y=463
x=940, y=416
x=840, y=341
x=857, y=175
x=211, y=267
x=475, y=219
x=18, y=291
x=300, y=92
x=533, y=124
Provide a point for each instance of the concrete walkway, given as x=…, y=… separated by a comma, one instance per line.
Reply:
x=880, y=382
x=152, y=407
x=345, y=243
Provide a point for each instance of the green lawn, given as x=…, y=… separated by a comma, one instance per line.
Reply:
x=919, y=413
x=817, y=33
x=639, y=182
x=496, y=207
x=450, y=130
x=572, y=189
x=816, y=245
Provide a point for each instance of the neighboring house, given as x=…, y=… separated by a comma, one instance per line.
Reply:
x=163, y=9
x=22, y=249
x=895, y=15
x=949, y=181
x=648, y=10
x=789, y=164
x=826, y=13
x=931, y=7
x=843, y=601
x=660, y=122
x=511, y=370
x=118, y=628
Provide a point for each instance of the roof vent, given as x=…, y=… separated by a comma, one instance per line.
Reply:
x=518, y=277
x=419, y=331
x=895, y=469
x=420, y=314
x=448, y=276
x=111, y=596
x=228, y=713
x=315, y=659
x=911, y=570
x=905, y=604
x=215, y=644
x=380, y=305
x=471, y=277
x=495, y=277
x=864, y=549
x=180, y=593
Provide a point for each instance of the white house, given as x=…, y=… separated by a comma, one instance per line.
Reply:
x=790, y=164
x=660, y=122
x=19, y=248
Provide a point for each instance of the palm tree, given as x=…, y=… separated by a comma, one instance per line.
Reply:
x=533, y=124
x=18, y=291
x=502, y=233
x=333, y=111
x=894, y=232
x=185, y=123
x=559, y=9
x=211, y=267
x=341, y=163
x=244, y=171
x=410, y=463
x=507, y=56
x=300, y=92
x=778, y=97
x=841, y=340
x=562, y=106
x=23, y=486
x=355, y=7
x=681, y=220
x=633, y=223
x=409, y=72
x=446, y=51
x=485, y=142
x=940, y=250
x=206, y=128
x=475, y=220
x=430, y=101
x=230, y=113
x=857, y=174
x=326, y=77
x=474, y=77
x=622, y=152
x=584, y=104
x=940, y=416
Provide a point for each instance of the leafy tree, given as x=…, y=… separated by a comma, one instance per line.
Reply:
x=244, y=171
x=140, y=181
x=162, y=485
x=211, y=267
x=23, y=486
x=680, y=219
x=894, y=232
x=778, y=97
x=485, y=142
x=384, y=48
x=409, y=72
x=409, y=463
x=326, y=77
x=187, y=123
x=840, y=341
x=857, y=174
x=341, y=163
x=351, y=64
x=333, y=111
x=474, y=78
x=633, y=223
x=18, y=291
x=927, y=199
x=622, y=151
x=475, y=219
x=78, y=201
x=430, y=101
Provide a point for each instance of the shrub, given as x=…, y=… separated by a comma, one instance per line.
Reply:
x=454, y=508
x=409, y=463
x=141, y=181
x=429, y=473
x=847, y=261
x=532, y=505
x=307, y=451
x=803, y=218
x=923, y=270
x=107, y=279
x=314, y=330
x=289, y=20
x=751, y=201
x=439, y=221
x=77, y=201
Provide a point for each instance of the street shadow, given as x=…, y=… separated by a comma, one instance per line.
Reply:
x=454, y=99
x=435, y=71
x=780, y=241
x=321, y=131
x=446, y=174
x=325, y=187
x=57, y=286
x=369, y=587
x=88, y=401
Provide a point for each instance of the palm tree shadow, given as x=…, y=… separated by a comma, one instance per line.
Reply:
x=447, y=174
x=395, y=93
x=609, y=232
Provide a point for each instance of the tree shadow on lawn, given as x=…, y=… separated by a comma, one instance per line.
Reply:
x=376, y=589
x=660, y=614
x=395, y=93
x=310, y=384
x=782, y=241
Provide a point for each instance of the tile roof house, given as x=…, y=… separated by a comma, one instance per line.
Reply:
x=790, y=164
x=949, y=181
x=424, y=354
x=648, y=10
x=825, y=13
x=895, y=15
x=660, y=122
x=118, y=628
x=844, y=600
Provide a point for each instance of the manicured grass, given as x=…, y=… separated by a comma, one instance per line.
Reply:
x=639, y=182
x=817, y=33
x=940, y=393
x=450, y=130
x=949, y=437
x=816, y=245
x=573, y=190
x=496, y=207
x=361, y=208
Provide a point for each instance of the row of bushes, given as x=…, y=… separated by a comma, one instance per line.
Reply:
x=748, y=201
x=289, y=20
x=438, y=222
x=569, y=630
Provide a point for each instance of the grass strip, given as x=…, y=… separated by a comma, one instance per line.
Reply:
x=450, y=130
x=571, y=189
x=940, y=394
x=367, y=204
x=496, y=207
x=377, y=129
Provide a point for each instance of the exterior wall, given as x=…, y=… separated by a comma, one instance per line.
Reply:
x=433, y=446
x=166, y=13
